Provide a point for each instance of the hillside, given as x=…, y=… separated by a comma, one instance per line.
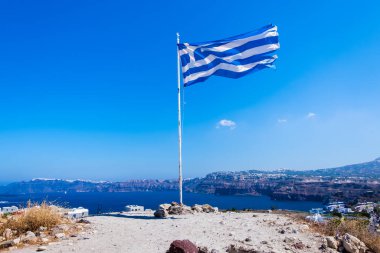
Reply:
x=351, y=182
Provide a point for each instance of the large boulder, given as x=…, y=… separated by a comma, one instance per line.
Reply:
x=164, y=206
x=353, y=245
x=197, y=208
x=179, y=209
x=182, y=246
x=175, y=209
x=160, y=213
x=208, y=209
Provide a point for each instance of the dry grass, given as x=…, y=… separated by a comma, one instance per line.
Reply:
x=34, y=217
x=355, y=227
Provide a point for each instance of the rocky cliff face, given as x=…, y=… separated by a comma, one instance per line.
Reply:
x=352, y=182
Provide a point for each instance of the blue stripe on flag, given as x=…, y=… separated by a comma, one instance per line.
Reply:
x=233, y=57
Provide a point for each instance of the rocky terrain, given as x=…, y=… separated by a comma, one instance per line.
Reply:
x=199, y=232
x=351, y=183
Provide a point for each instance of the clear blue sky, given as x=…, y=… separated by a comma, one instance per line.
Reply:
x=88, y=88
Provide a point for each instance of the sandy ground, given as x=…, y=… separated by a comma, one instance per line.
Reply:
x=141, y=233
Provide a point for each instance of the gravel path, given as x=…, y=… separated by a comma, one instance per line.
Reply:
x=141, y=233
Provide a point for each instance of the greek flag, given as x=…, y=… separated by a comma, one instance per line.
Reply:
x=233, y=57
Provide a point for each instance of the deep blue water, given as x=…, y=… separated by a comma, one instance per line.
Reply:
x=106, y=202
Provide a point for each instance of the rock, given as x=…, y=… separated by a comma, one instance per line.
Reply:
x=187, y=210
x=353, y=245
x=164, y=206
x=16, y=241
x=203, y=250
x=282, y=231
x=289, y=240
x=44, y=240
x=231, y=234
x=29, y=237
x=176, y=210
x=184, y=246
x=60, y=235
x=160, y=213
x=41, y=248
x=63, y=227
x=6, y=244
x=240, y=249
x=7, y=234
x=248, y=239
x=42, y=229
x=304, y=228
x=197, y=208
x=299, y=245
x=208, y=209
x=331, y=242
x=84, y=221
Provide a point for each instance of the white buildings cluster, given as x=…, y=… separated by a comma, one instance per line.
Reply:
x=8, y=209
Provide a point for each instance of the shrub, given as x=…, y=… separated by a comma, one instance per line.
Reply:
x=355, y=227
x=34, y=217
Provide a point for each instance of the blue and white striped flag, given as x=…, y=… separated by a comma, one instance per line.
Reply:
x=233, y=57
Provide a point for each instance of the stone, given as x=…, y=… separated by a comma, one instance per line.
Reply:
x=176, y=210
x=299, y=245
x=29, y=237
x=353, y=245
x=208, y=209
x=240, y=249
x=63, y=227
x=289, y=240
x=42, y=229
x=182, y=246
x=44, y=240
x=304, y=228
x=203, y=250
x=16, y=241
x=60, y=235
x=160, y=213
x=231, y=234
x=7, y=234
x=6, y=244
x=331, y=242
x=248, y=239
x=164, y=206
x=197, y=208
x=41, y=248
x=84, y=221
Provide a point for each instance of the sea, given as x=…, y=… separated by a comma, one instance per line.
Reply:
x=102, y=202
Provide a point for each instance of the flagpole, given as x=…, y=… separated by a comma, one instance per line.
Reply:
x=179, y=126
